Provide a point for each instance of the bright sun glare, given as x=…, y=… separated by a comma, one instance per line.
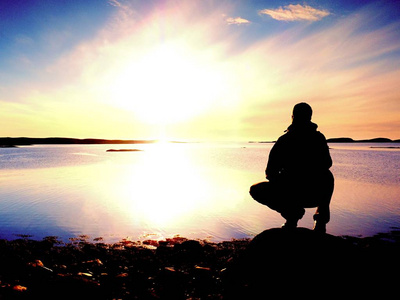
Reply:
x=168, y=84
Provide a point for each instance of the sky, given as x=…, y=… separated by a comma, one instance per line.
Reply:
x=198, y=70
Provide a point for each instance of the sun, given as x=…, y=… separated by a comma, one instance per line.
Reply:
x=169, y=83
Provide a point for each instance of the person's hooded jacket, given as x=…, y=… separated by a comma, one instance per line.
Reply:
x=301, y=154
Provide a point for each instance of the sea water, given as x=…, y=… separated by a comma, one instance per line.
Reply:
x=195, y=190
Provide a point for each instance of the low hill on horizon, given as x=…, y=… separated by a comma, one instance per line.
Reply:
x=23, y=141
x=350, y=140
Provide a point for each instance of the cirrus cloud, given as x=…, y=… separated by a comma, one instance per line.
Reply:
x=237, y=21
x=296, y=12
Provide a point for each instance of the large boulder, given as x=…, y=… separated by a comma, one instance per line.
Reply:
x=295, y=263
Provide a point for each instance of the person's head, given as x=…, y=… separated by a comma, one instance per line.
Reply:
x=302, y=113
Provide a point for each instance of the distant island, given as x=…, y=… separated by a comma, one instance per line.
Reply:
x=348, y=140
x=123, y=150
x=24, y=141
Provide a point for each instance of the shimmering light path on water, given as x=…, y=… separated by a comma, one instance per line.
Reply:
x=194, y=190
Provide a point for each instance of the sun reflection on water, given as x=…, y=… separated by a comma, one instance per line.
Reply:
x=194, y=190
x=166, y=189
x=162, y=186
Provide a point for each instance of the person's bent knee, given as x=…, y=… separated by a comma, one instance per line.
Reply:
x=255, y=190
x=259, y=190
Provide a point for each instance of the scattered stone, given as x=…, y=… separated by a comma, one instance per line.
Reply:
x=274, y=262
x=19, y=288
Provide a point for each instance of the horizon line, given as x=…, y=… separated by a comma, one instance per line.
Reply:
x=20, y=141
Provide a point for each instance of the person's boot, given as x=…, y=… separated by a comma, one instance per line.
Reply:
x=319, y=227
x=290, y=224
x=319, y=223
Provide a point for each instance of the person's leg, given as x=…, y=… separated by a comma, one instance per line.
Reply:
x=292, y=216
x=277, y=199
x=322, y=214
x=265, y=193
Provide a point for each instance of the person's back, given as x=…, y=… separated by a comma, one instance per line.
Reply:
x=298, y=172
x=300, y=153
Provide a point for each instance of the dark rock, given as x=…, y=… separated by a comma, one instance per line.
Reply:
x=285, y=262
x=189, y=251
x=276, y=263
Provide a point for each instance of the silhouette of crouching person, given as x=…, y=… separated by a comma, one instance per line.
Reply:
x=298, y=173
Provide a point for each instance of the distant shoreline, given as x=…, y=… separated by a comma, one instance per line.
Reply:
x=6, y=142
x=346, y=140
x=350, y=140
x=24, y=141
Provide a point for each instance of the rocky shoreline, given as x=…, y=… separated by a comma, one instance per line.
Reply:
x=275, y=261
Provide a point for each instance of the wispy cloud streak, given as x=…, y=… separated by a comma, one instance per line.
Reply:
x=237, y=21
x=348, y=71
x=296, y=12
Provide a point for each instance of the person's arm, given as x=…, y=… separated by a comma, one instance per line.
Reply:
x=326, y=159
x=273, y=165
